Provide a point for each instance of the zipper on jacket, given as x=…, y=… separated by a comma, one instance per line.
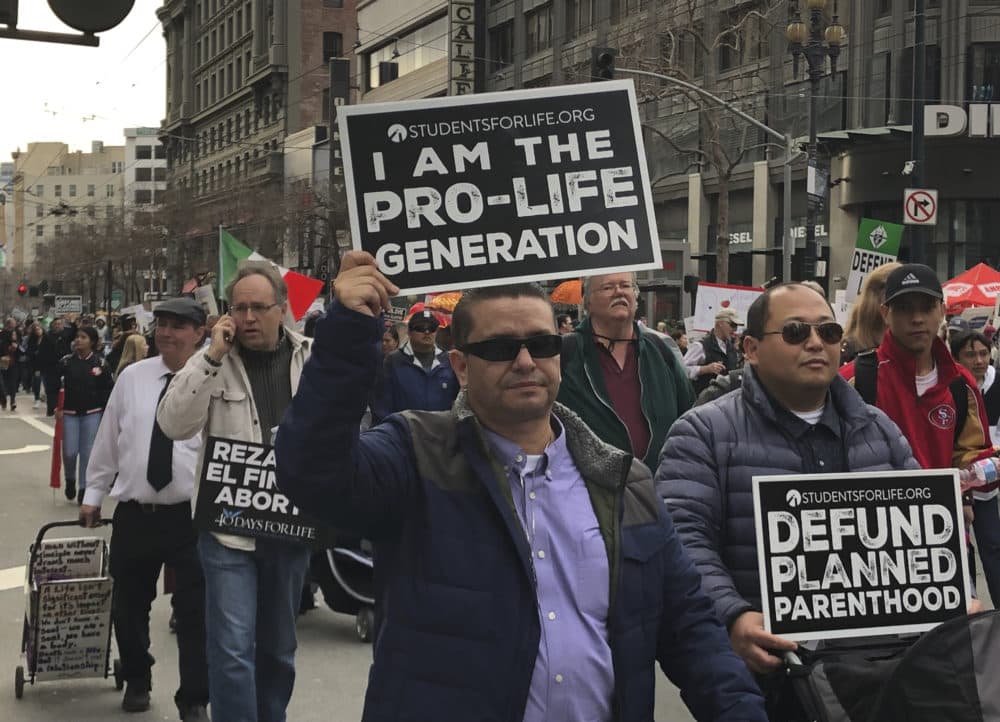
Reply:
x=616, y=581
x=610, y=408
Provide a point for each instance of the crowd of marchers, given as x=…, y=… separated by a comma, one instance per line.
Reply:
x=555, y=508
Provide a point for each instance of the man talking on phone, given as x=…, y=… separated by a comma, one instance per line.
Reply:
x=238, y=388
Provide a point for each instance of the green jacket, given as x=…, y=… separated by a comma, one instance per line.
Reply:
x=666, y=390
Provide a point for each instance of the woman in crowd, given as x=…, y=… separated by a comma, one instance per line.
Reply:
x=10, y=365
x=972, y=350
x=390, y=340
x=134, y=349
x=87, y=383
x=865, y=327
x=33, y=369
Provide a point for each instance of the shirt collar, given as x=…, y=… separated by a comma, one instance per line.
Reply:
x=798, y=427
x=512, y=457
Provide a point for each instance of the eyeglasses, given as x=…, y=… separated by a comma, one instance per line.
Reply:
x=612, y=287
x=507, y=349
x=257, y=309
x=796, y=332
x=423, y=329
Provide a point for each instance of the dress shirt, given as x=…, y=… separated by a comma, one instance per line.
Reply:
x=122, y=443
x=573, y=679
x=694, y=359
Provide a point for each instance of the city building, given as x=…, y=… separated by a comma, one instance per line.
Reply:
x=62, y=198
x=145, y=175
x=6, y=221
x=242, y=75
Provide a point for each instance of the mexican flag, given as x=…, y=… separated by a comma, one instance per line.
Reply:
x=302, y=290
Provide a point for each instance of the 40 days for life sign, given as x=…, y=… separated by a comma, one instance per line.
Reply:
x=238, y=495
x=852, y=555
x=474, y=190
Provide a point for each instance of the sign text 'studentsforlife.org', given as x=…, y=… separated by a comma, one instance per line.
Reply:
x=451, y=193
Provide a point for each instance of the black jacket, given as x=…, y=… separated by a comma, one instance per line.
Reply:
x=87, y=383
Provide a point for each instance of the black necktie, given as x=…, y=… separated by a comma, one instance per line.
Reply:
x=159, y=470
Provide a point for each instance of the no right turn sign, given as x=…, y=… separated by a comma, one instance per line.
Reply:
x=920, y=206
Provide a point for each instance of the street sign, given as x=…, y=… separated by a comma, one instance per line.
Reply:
x=68, y=304
x=117, y=296
x=920, y=206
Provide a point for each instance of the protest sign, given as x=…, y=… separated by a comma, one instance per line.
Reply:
x=67, y=304
x=713, y=297
x=238, y=495
x=877, y=244
x=849, y=555
x=396, y=314
x=454, y=192
x=72, y=629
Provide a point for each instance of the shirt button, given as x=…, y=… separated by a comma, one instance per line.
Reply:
x=541, y=554
x=559, y=679
x=531, y=495
x=552, y=616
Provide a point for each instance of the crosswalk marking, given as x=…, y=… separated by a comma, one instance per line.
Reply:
x=12, y=578
x=39, y=425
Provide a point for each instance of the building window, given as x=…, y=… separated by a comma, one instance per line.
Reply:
x=109, y=190
x=57, y=230
x=117, y=166
x=416, y=49
x=58, y=191
x=983, y=72
x=160, y=174
x=109, y=211
x=143, y=174
x=229, y=32
x=579, y=17
x=39, y=230
x=501, y=46
x=538, y=27
x=933, y=79
x=90, y=211
x=91, y=190
x=239, y=23
x=143, y=197
x=333, y=3
x=333, y=46
x=229, y=78
x=72, y=190
x=239, y=73
x=39, y=211
x=160, y=152
x=213, y=45
x=39, y=191
x=143, y=152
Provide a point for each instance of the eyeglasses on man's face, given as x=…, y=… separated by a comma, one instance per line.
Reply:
x=257, y=309
x=796, y=332
x=609, y=288
x=505, y=348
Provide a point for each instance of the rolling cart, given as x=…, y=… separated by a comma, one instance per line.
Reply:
x=67, y=616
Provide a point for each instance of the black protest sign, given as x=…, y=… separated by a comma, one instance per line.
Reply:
x=844, y=555
x=476, y=190
x=238, y=495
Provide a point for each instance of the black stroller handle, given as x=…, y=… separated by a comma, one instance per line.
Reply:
x=46, y=528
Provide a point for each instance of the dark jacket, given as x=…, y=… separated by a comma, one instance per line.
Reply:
x=51, y=350
x=713, y=354
x=406, y=385
x=709, y=461
x=461, y=628
x=666, y=390
x=87, y=383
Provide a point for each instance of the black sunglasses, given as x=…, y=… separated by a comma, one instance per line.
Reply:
x=423, y=329
x=796, y=332
x=507, y=349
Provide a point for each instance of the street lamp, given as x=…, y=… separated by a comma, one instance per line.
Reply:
x=817, y=41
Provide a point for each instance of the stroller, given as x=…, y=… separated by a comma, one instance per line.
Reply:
x=345, y=573
x=948, y=674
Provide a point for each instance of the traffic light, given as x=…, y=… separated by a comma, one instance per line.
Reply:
x=602, y=63
x=22, y=289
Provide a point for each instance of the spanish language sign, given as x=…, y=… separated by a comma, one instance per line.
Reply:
x=876, y=245
x=476, y=190
x=845, y=555
x=238, y=495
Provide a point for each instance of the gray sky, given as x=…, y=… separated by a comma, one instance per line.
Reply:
x=76, y=94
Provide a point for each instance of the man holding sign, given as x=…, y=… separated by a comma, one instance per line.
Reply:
x=528, y=570
x=237, y=389
x=792, y=415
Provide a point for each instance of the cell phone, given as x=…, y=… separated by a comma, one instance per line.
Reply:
x=228, y=337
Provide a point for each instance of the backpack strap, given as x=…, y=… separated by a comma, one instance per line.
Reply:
x=960, y=395
x=866, y=376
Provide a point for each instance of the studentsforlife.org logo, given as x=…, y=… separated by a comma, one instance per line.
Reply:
x=795, y=498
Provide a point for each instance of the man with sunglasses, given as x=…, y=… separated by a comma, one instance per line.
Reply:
x=625, y=381
x=715, y=354
x=417, y=375
x=792, y=415
x=528, y=571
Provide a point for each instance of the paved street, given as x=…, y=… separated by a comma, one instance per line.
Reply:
x=332, y=663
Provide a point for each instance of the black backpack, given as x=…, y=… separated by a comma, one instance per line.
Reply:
x=866, y=384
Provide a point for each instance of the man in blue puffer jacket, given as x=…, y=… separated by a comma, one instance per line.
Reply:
x=528, y=571
x=792, y=415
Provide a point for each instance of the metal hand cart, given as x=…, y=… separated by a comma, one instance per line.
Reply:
x=67, y=617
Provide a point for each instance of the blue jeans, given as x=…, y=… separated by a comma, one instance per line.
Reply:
x=78, y=440
x=987, y=529
x=251, y=602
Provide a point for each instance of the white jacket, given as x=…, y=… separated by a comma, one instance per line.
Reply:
x=218, y=400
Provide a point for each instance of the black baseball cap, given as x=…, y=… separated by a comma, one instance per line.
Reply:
x=423, y=319
x=182, y=307
x=913, y=278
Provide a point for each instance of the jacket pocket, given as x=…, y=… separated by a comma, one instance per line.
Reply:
x=642, y=588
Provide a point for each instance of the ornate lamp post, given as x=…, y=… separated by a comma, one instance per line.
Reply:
x=816, y=41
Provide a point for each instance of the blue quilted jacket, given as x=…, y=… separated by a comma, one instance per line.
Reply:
x=460, y=631
x=713, y=452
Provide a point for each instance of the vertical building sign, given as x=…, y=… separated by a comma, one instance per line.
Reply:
x=461, y=47
x=340, y=95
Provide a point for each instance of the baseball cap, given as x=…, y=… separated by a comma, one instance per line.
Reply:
x=182, y=307
x=913, y=278
x=728, y=314
x=423, y=318
x=958, y=324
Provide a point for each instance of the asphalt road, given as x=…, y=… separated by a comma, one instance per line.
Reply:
x=332, y=664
